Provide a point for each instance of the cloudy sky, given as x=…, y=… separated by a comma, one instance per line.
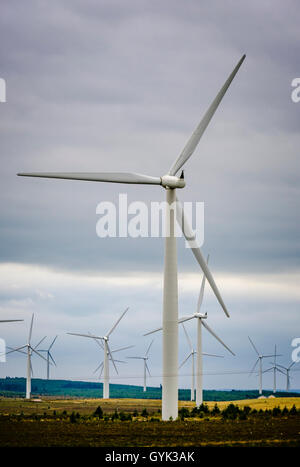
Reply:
x=111, y=85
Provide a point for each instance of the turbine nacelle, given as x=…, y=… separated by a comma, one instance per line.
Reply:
x=170, y=181
x=200, y=315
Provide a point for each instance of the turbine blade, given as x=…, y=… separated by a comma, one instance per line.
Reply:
x=149, y=347
x=30, y=330
x=33, y=350
x=253, y=346
x=111, y=177
x=98, y=342
x=196, y=136
x=112, y=358
x=53, y=342
x=151, y=332
x=185, y=360
x=291, y=365
x=147, y=369
x=190, y=237
x=98, y=367
x=10, y=320
x=52, y=358
x=212, y=355
x=16, y=350
x=216, y=337
x=139, y=358
x=40, y=342
x=280, y=371
x=117, y=322
x=254, y=367
x=122, y=348
x=85, y=335
x=185, y=318
x=201, y=293
x=187, y=337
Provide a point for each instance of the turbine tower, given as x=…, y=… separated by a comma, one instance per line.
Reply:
x=146, y=369
x=107, y=353
x=259, y=360
x=274, y=368
x=192, y=354
x=29, y=351
x=49, y=356
x=170, y=182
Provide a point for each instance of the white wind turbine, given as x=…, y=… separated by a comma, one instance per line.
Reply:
x=259, y=360
x=49, y=356
x=192, y=354
x=287, y=373
x=170, y=182
x=145, y=358
x=107, y=353
x=274, y=368
x=29, y=351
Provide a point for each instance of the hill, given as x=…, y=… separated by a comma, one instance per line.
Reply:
x=15, y=387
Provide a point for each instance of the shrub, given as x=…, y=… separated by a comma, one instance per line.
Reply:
x=215, y=410
x=293, y=410
x=98, y=412
x=183, y=413
x=144, y=413
x=73, y=417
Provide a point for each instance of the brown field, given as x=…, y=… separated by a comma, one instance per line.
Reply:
x=211, y=431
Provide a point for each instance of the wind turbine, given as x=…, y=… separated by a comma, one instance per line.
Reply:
x=170, y=182
x=29, y=351
x=287, y=373
x=49, y=356
x=145, y=358
x=259, y=360
x=107, y=353
x=192, y=354
x=201, y=321
x=274, y=368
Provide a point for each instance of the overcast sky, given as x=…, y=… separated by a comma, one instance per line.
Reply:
x=100, y=85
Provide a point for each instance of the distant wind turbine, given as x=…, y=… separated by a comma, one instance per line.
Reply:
x=287, y=373
x=259, y=360
x=107, y=353
x=146, y=369
x=170, y=181
x=29, y=351
x=49, y=356
x=192, y=354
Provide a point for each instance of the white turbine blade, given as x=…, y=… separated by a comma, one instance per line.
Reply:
x=277, y=364
x=119, y=361
x=212, y=355
x=151, y=332
x=98, y=367
x=216, y=337
x=111, y=177
x=52, y=358
x=33, y=350
x=269, y=369
x=139, y=358
x=10, y=320
x=117, y=322
x=53, y=342
x=85, y=335
x=290, y=365
x=269, y=356
x=112, y=358
x=254, y=366
x=196, y=136
x=30, y=330
x=201, y=294
x=98, y=342
x=187, y=337
x=149, y=347
x=191, y=238
x=122, y=348
x=42, y=340
x=253, y=346
x=185, y=359
x=280, y=371
x=185, y=318
x=147, y=369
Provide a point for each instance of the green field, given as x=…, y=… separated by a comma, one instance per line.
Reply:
x=73, y=422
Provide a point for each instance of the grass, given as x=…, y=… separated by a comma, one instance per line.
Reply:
x=29, y=423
